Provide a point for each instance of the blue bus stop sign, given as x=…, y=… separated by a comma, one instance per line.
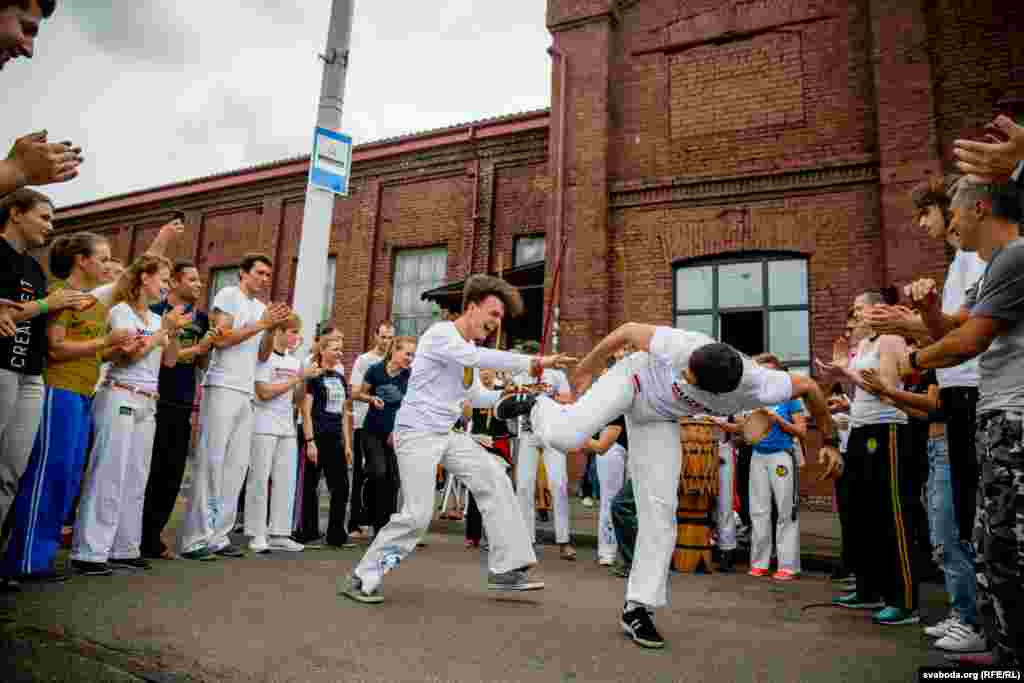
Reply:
x=331, y=163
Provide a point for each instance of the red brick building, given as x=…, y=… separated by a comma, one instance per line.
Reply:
x=740, y=167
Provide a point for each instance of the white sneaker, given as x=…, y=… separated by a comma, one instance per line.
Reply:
x=940, y=629
x=588, y=502
x=285, y=543
x=962, y=638
x=258, y=544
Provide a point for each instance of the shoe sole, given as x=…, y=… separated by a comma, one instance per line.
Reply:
x=362, y=598
x=901, y=622
x=128, y=567
x=861, y=605
x=649, y=644
x=517, y=588
x=261, y=551
x=978, y=650
x=232, y=555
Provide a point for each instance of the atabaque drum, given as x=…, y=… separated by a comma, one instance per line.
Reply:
x=698, y=486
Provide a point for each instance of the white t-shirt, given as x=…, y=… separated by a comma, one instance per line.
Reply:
x=965, y=270
x=359, y=368
x=443, y=377
x=662, y=383
x=145, y=373
x=276, y=416
x=235, y=367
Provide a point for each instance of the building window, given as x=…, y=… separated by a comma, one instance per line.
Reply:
x=417, y=271
x=756, y=304
x=221, y=278
x=528, y=250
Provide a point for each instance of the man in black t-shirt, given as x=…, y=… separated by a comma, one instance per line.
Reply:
x=174, y=410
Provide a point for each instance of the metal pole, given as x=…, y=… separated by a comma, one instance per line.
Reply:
x=315, y=238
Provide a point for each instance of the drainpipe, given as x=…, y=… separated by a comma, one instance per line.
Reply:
x=563, y=71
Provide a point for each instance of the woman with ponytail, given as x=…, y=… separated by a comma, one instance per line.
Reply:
x=109, y=523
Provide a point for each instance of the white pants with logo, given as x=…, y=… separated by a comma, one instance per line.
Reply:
x=611, y=473
x=21, y=408
x=530, y=451
x=655, y=458
x=222, y=459
x=418, y=456
x=726, y=516
x=771, y=476
x=274, y=461
x=109, y=521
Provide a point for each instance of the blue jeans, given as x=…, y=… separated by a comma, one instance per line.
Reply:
x=957, y=557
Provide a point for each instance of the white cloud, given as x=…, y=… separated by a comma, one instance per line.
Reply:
x=173, y=89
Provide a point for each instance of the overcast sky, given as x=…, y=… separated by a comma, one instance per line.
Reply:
x=158, y=91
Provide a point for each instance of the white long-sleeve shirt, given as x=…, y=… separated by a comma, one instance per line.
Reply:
x=443, y=378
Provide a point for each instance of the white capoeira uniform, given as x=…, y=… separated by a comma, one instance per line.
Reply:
x=443, y=377
x=528, y=457
x=274, y=453
x=225, y=423
x=650, y=389
x=109, y=521
x=611, y=473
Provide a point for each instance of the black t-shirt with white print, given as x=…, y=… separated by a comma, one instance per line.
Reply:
x=22, y=279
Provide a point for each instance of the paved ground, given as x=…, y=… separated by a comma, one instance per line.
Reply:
x=277, y=618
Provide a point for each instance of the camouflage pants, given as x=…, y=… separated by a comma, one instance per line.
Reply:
x=999, y=528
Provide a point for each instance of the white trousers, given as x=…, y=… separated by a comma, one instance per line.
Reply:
x=273, y=462
x=109, y=521
x=654, y=462
x=530, y=451
x=418, y=456
x=222, y=458
x=611, y=472
x=771, y=476
x=726, y=516
x=21, y=408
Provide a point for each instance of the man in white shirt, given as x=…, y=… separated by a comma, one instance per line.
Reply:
x=675, y=374
x=443, y=377
x=225, y=413
x=381, y=341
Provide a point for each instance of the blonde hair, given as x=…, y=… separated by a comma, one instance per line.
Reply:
x=129, y=285
x=396, y=344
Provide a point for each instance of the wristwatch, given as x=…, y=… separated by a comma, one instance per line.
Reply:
x=912, y=359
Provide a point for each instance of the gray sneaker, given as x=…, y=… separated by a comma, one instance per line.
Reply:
x=353, y=590
x=515, y=580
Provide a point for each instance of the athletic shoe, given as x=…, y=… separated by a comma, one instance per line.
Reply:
x=353, y=590
x=621, y=570
x=759, y=572
x=514, y=580
x=130, y=563
x=895, y=616
x=856, y=601
x=638, y=625
x=842, y=575
x=286, y=544
x=726, y=563
x=961, y=637
x=259, y=544
x=850, y=585
x=310, y=543
x=230, y=550
x=942, y=628
x=472, y=542
x=785, y=575
x=91, y=568
x=588, y=502
x=9, y=586
x=512, y=406
x=201, y=554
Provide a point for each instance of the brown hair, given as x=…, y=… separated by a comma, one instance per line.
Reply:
x=384, y=323
x=65, y=249
x=769, y=359
x=180, y=266
x=318, y=355
x=47, y=7
x=396, y=344
x=935, y=190
x=23, y=200
x=479, y=287
x=250, y=260
x=130, y=283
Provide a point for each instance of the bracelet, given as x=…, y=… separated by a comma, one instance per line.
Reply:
x=44, y=307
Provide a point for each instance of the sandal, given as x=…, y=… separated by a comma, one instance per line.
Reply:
x=568, y=552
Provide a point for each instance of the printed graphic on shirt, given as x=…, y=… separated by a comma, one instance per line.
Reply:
x=872, y=445
x=335, y=395
x=22, y=341
x=781, y=471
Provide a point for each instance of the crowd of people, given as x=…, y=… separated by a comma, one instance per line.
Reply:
x=101, y=364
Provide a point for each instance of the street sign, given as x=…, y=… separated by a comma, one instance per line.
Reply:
x=331, y=162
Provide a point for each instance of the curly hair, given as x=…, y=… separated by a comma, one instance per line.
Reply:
x=129, y=285
x=479, y=287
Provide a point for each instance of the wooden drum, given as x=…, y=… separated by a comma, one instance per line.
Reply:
x=698, y=487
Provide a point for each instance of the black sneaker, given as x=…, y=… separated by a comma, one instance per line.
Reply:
x=230, y=550
x=130, y=563
x=9, y=585
x=513, y=405
x=91, y=568
x=639, y=626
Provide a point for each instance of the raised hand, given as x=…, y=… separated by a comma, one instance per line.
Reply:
x=886, y=319
x=60, y=299
x=841, y=352
x=994, y=160
x=924, y=293
x=41, y=162
x=559, y=361
x=830, y=373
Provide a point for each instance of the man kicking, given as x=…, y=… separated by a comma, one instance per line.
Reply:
x=442, y=379
x=675, y=374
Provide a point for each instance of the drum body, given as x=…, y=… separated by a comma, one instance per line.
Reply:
x=698, y=487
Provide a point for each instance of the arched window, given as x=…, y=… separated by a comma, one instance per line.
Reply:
x=756, y=302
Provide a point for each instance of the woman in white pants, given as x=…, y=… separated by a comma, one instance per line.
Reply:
x=108, y=528
x=611, y=447
x=275, y=451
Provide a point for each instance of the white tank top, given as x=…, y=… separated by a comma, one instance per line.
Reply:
x=868, y=409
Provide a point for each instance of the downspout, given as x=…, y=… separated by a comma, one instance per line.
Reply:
x=563, y=71
x=471, y=138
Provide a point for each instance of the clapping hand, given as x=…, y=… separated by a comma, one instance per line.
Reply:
x=175, y=319
x=872, y=382
x=994, y=160
x=559, y=361
x=276, y=315
x=41, y=162
x=885, y=319
x=924, y=293
x=8, y=328
x=833, y=461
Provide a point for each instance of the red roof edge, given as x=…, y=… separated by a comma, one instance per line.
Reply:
x=464, y=132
